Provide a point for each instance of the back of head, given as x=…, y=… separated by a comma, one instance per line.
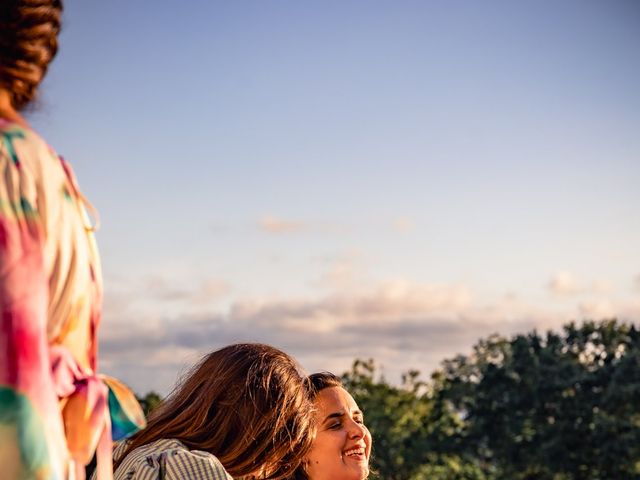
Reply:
x=28, y=42
x=246, y=404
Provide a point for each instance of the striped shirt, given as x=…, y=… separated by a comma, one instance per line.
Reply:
x=168, y=459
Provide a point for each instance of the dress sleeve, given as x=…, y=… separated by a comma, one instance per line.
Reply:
x=32, y=435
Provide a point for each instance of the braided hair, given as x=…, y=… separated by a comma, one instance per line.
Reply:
x=28, y=42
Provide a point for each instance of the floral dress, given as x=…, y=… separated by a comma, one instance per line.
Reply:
x=55, y=411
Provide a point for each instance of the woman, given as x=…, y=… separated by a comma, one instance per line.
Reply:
x=50, y=283
x=244, y=412
x=342, y=446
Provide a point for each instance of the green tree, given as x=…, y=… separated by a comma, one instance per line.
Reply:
x=560, y=406
x=410, y=435
x=149, y=402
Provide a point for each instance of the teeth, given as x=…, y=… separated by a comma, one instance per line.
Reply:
x=355, y=451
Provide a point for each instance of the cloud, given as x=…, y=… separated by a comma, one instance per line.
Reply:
x=327, y=332
x=210, y=290
x=401, y=324
x=279, y=225
x=563, y=283
x=636, y=283
x=346, y=271
x=194, y=291
x=403, y=224
x=597, y=309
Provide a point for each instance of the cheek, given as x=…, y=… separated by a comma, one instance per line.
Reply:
x=326, y=451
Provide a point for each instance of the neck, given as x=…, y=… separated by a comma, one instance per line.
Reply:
x=7, y=111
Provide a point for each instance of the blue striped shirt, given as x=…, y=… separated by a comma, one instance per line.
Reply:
x=168, y=459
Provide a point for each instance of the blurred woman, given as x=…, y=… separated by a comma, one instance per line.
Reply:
x=50, y=281
x=342, y=445
x=243, y=412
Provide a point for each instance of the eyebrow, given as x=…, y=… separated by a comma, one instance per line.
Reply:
x=332, y=416
x=339, y=415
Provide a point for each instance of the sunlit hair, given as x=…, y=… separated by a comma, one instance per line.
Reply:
x=316, y=383
x=28, y=42
x=322, y=380
x=247, y=404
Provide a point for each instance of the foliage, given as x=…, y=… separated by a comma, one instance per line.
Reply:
x=149, y=402
x=410, y=433
x=559, y=406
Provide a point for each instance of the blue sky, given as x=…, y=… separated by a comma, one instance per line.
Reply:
x=350, y=179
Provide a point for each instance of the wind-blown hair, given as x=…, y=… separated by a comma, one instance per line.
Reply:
x=28, y=42
x=247, y=404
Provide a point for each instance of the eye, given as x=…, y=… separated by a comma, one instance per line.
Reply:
x=335, y=426
x=359, y=420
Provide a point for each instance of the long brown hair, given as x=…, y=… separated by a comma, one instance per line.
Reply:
x=247, y=404
x=28, y=42
x=316, y=383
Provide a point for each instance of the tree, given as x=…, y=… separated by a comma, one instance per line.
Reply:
x=149, y=402
x=409, y=435
x=559, y=406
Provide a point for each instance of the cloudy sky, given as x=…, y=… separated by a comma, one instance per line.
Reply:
x=344, y=179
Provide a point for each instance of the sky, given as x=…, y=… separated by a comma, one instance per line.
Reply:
x=350, y=179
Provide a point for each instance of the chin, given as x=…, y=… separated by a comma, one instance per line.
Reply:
x=360, y=474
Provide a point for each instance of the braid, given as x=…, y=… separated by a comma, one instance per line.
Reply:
x=28, y=42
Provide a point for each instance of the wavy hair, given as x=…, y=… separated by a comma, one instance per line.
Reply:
x=247, y=404
x=28, y=42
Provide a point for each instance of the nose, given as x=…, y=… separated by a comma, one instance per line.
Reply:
x=357, y=430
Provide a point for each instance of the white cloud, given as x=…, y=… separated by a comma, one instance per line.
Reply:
x=401, y=324
x=211, y=290
x=403, y=224
x=597, y=309
x=183, y=291
x=563, y=283
x=344, y=272
x=272, y=224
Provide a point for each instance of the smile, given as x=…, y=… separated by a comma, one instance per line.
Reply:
x=357, y=452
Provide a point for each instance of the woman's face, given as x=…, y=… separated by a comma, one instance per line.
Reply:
x=342, y=445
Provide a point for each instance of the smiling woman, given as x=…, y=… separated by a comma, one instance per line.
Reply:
x=342, y=446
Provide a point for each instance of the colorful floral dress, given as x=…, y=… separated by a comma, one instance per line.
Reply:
x=55, y=411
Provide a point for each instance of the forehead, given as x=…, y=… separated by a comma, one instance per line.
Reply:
x=335, y=399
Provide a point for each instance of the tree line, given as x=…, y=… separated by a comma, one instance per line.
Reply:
x=555, y=406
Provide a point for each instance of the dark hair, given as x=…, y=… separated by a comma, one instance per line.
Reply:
x=316, y=382
x=322, y=380
x=247, y=404
x=28, y=42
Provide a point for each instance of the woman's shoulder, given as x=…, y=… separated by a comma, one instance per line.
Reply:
x=20, y=144
x=168, y=459
x=27, y=163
